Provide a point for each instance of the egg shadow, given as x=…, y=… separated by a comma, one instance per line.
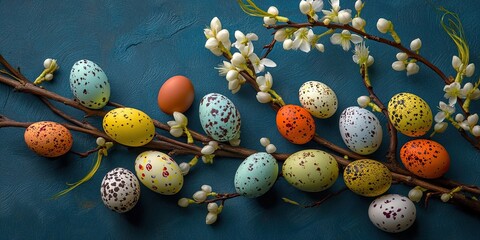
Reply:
x=269, y=200
x=135, y=217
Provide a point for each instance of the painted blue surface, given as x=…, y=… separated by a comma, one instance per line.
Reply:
x=140, y=44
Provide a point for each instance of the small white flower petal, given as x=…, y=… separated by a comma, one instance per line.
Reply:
x=212, y=207
x=269, y=21
x=358, y=5
x=280, y=35
x=183, y=202
x=268, y=63
x=263, y=97
x=287, y=44
x=211, y=218
x=185, y=168
x=470, y=70
x=232, y=75
x=476, y=131
x=472, y=120
x=459, y=117
x=48, y=77
x=363, y=101
x=304, y=7
x=273, y=10
x=412, y=68
x=320, y=47
x=336, y=38
x=207, y=150
x=180, y=118
x=370, y=60
x=271, y=148
x=216, y=25
x=176, y=132
x=440, y=127
x=383, y=25
x=304, y=46
x=200, y=196
x=398, y=66
x=358, y=23
x=456, y=62
x=206, y=188
x=439, y=117
x=416, y=44
x=401, y=56
x=47, y=62
x=356, y=39
x=223, y=36
x=264, y=141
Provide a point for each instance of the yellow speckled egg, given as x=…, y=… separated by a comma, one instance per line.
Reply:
x=367, y=177
x=48, y=139
x=129, y=126
x=310, y=170
x=410, y=114
x=159, y=172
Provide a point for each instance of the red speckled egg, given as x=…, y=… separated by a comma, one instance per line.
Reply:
x=425, y=158
x=48, y=139
x=295, y=124
x=176, y=95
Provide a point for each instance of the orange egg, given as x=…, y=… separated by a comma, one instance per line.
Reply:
x=425, y=158
x=48, y=139
x=295, y=124
x=176, y=95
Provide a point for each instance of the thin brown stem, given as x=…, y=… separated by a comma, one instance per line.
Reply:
x=269, y=48
x=87, y=153
x=321, y=201
x=222, y=197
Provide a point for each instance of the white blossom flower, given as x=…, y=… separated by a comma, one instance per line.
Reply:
x=363, y=101
x=361, y=54
x=287, y=44
x=243, y=40
x=412, y=68
x=383, y=25
x=238, y=60
x=311, y=7
x=259, y=65
x=401, y=56
x=456, y=63
x=398, y=66
x=452, y=91
x=211, y=218
x=416, y=44
x=270, y=148
x=270, y=21
x=440, y=127
x=302, y=39
x=212, y=207
x=206, y=188
x=336, y=15
x=476, y=131
x=265, y=83
x=470, y=70
x=345, y=38
x=470, y=122
x=320, y=47
x=444, y=111
x=358, y=5
x=224, y=68
x=200, y=196
x=264, y=141
x=280, y=35
x=459, y=117
x=358, y=23
x=467, y=91
x=217, y=37
x=263, y=97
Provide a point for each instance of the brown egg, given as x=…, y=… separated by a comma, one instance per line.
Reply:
x=48, y=139
x=176, y=95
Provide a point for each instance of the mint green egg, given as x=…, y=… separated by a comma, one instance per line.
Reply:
x=256, y=175
x=89, y=84
x=219, y=117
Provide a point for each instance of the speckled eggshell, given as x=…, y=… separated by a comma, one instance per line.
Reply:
x=425, y=158
x=89, y=84
x=310, y=170
x=318, y=99
x=360, y=130
x=159, y=172
x=256, y=175
x=219, y=117
x=392, y=213
x=410, y=114
x=295, y=124
x=367, y=177
x=120, y=190
x=129, y=126
x=48, y=139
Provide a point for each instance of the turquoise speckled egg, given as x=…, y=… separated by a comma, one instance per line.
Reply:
x=89, y=84
x=220, y=119
x=159, y=172
x=256, y=175
x=310, y=170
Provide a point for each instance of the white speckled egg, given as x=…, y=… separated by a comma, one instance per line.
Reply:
x=310, y=170
x=392, y=213
x=318, y=98
x=89, y=84
x=220, y=119
x=256, y=175
x=120, y=190
x=360, y=130
x=159, y=172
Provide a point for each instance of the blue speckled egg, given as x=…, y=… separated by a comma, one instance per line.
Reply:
x=220, y=119
x=256, y=175
x=360, y=130
x=89, y=84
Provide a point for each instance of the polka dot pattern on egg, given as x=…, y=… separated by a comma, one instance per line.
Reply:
x=89, y=84
x=425, y=158
x=295, y=124
x=48, y=139
x=120, y=190
x=318, y=99
x=129, y=126
x=410, y=114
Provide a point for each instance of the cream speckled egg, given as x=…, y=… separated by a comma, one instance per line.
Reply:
x=159, y=172
x=256, y=175
x=310, y=170
x=392, y=213
x=318, y=99
x=120, y=190
x=360, y=130
x=89, y=84
x=410, y=114
x=367, y=177
x=129, y=126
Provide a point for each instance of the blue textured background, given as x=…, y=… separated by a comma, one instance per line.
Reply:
x=140, y=44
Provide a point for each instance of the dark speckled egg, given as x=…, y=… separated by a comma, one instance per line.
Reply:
x=425, y=158
x=89, y=84
x=367, y=177
x=219, y=117
x=48, y=139
x=295, y=124
x=120, y=190
x=256, y=175
x=410, y=114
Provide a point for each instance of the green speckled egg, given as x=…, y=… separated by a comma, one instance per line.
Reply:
x=256, y=175
x=310, y=170
x=159, y=172
x=219, y=117
x=89, y=84
x=367, y=177
x=410, y=114
x=129, y=126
